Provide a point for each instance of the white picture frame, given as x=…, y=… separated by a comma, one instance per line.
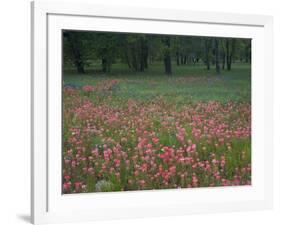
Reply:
x=48, y=205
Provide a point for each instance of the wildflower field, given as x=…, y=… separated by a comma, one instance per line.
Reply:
x=145, y=132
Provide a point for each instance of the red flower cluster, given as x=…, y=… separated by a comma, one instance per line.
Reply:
x=152, y=144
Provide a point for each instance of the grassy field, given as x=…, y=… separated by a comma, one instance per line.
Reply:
x=141, y=131
x=188, y=83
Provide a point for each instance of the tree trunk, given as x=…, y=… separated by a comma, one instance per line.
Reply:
x=185, y=59
x=223, y=60
x=77, y=55
x=168, y=65
x=145, y=56
x=207, y=53
x=228, y=55
x=79, y=66
x=233, y=46
x=103, y=63
x=167, y=56
x=182, y=59
x=217, y=56
x=127, y=59
x=246, y=57
x=134, y=62
x=178, y=59
x=248, y=53
x=138, y=55
x=106, y=64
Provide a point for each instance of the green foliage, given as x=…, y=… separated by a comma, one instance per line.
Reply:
x=81, y=50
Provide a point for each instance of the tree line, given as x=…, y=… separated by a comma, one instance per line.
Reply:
x=139, y=51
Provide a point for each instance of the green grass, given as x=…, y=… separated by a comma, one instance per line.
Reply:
x=188, y=83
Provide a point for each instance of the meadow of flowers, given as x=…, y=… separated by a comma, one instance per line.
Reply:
x=115, y=143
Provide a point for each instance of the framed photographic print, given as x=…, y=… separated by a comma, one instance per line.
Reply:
x=148, y=112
